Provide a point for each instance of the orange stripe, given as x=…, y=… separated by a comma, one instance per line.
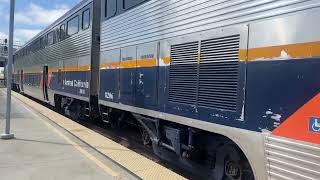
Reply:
x=166, y=60
x=113, y=65
x=151, y=62
x=243, y=54
x=70, y=68
x=51, y=70
x=302, y=50
x=84, y=68
x=76, y=68
x=128, y=64
x=65, y=69
x=131, y=64
x=103, y=66
x=32, y=72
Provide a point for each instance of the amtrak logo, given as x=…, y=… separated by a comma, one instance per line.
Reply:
x=314, y=125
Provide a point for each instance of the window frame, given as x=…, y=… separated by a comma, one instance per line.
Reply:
x=78, y=24
x=106, y=9
x=89, y=20
x=62, y=33
x=57, y=34
x=119, y=9
x=52, y=34
x=132, y=6
x=43, y=43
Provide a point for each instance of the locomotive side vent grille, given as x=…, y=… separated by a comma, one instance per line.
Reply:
x=183, y=73
x=218, y=73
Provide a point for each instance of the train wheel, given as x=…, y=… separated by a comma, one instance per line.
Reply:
x=76, y=112
x=115, y=119
x=231, y=165
x=145, y=136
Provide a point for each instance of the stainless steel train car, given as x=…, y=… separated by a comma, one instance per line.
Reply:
x=56, y=65
x=228, y=88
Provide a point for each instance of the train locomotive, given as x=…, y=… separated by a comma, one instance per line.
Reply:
x=228, y=89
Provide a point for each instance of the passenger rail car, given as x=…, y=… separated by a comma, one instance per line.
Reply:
x=228, y=89
x=55, y=66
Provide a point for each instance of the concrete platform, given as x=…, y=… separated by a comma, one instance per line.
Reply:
x=51, y=146
x=42, y=150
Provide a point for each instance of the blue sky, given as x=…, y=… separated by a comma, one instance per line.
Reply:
x=32, y=16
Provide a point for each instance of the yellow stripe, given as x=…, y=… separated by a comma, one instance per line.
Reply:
x=76, y=68
x=113, y=65
x=51, y=70
x=166, y=60
x=128, y=64
x=84, y=68
x=84, y=152
x=301, y=50
x=151, y=62
x=135, y=163
x=243, y=54
x=75, y=145
x=65, y=69
x=32, y=72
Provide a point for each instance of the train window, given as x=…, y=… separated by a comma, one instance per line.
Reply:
x=111, y=8
x=62, y=32
x=42, y=42
x=37, y=44
x=86, y=19
x=32, y=47
x=57, y=34
x=50, y=38
x=131, y=3
x=73, y=26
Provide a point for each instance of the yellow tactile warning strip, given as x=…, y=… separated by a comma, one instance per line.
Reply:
x=134, y=162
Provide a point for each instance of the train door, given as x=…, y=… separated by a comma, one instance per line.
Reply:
x=45, y=83
x=109, y=75
x=60, y=76
x=21, y=80
x=127, y=75
x=147, y=75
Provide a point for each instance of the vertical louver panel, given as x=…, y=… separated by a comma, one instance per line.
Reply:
x=183, y=73
x=218, y=73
